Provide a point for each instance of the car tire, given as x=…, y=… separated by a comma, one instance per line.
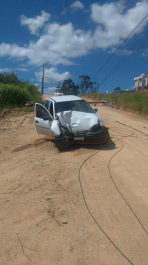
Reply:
x=53, y=137
x=107, y=138
x=61, y=147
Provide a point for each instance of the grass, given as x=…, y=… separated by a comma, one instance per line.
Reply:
x=132, y=100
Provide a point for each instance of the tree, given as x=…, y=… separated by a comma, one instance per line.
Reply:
x=117, y=89
x=86, y=85
x=69, y=88
x=95, y=87
x=9, y=78
x=58, y=87
x=32, y=89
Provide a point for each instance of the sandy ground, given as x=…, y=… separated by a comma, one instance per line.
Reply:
x=85, y=206
x=47, y=96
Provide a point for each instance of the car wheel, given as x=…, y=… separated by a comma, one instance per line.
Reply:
x=107, y=138
x=53, y=137
x=62, y=145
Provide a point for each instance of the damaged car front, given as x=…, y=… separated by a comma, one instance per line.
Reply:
x=73, y=121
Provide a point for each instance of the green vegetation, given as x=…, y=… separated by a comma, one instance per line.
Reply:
x=117, y=89
x=137, y=101
x=9, y=78
x=70, y=88
x=86, y=85
x=15, y=93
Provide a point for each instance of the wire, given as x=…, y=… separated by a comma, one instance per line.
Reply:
x=104, y=85
x=132, y=128
x=91, y=212
x=120, y=191
x=132, y=134
x=114, y=70
x=120, y=46
x=130, y=50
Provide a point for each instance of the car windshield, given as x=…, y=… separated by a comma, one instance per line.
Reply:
x=76, y=105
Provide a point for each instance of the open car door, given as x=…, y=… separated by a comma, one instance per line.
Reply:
x=43, y=120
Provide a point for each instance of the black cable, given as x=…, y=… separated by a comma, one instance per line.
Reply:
x=120, y=45
x=117, y=189
x=124, y=62
x=90, y=211
x=131, y=128
x=115, y=68
x=120, y=191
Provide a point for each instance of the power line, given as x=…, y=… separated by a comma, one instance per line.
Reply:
x=120, y=46
x=132, y=47
x=114, y=70
x=117, y=66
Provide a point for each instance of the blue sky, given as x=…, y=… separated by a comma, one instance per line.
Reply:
x=75, y=38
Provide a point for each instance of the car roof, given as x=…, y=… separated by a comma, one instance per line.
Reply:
x=65, y=98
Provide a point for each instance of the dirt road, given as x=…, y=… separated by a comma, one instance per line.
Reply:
x=86, y=206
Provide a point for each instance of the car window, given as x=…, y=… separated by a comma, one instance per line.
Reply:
x=51, y=109
x=41, y=112
x=76, y=105
x=46, y=104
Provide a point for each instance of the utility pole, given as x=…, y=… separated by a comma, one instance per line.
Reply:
x=43, y=77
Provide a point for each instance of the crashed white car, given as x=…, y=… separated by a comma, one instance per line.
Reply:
x=69, y=119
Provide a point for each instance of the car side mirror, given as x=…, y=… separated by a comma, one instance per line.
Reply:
x=95, y=110
x=47, y=118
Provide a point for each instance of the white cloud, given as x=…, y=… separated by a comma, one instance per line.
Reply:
x=38, y=85
x=32, y=80
x=35, y=23
x=2, y=70
x=51, y=75
x=114, y=24
x=121, y=51
x=49, y=90
x=76, y=6
x=13, y=50
x=21, y=69
x=59, y=44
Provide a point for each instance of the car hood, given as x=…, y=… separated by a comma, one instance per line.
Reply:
x=76, y=121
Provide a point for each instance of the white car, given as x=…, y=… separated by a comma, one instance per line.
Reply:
x=58, y=93
x=69, y=119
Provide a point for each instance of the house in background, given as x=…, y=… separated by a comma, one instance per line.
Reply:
x=141, y=82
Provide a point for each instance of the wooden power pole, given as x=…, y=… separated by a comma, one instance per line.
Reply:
x=43, y=77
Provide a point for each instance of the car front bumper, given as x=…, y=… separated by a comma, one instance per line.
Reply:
x=99, y=137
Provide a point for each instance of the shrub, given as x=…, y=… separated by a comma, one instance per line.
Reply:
x=13, y=95
x=32, y=89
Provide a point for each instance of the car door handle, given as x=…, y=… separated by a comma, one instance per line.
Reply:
x=36, y=121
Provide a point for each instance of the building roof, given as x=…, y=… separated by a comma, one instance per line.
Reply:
x=146, y=75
